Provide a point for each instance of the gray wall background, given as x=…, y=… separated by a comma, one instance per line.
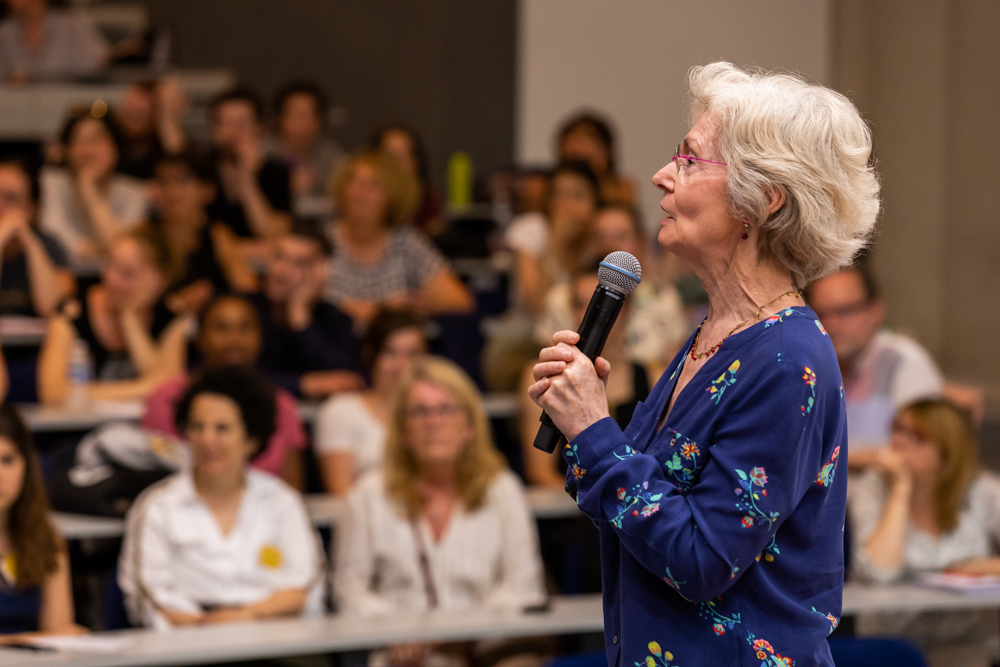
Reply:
x=446, y=67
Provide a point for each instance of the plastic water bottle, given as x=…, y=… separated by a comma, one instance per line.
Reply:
x=80, y=373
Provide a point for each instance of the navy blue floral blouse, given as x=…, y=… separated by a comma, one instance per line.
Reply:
x=722, y=535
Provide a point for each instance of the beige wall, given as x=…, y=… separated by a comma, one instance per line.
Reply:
x=629, y=60
x=927, y=75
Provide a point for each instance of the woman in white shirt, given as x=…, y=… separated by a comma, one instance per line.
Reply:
x=444, y=524
x=926, y=508
x=221, y=542
x=86, y=205
x=350, y=427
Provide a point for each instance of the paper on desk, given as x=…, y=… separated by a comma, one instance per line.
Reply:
x=84, y=643
x=960, y=583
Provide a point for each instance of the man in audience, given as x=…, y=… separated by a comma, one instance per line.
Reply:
x=229, y=335
x=300, y=143
x=309, y=346
x=883, y=371
x=150, y=118
x=254, y=196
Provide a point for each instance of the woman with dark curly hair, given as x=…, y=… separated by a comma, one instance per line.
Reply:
x=221, y=542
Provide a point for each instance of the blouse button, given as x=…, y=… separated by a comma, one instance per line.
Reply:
x=615, y=639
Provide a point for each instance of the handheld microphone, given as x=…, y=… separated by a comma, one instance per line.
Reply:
x=619, y=274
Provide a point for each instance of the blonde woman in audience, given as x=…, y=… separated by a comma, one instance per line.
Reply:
x=624, y=393
x=134, y=341
x=444, y=524
x=351, y=428
x=86, y=205
x=379, y=260
x=35, y=593
x=221, y=542
x=928, y=508
x=548, y=246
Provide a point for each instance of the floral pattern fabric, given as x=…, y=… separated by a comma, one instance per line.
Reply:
x=722, y=530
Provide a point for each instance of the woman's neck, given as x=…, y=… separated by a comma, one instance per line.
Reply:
x=362, y=234
x=923, y=502
x=438, y=478
x=741, y=287
x=219, y=487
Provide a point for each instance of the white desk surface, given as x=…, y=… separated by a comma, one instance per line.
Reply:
x=288, y=637
x=274, y=639
x=43, y=418
x=324, y=510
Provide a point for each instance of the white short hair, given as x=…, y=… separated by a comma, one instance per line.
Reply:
x=776, y=131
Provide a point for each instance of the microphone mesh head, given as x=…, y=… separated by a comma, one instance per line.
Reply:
x=621, y=271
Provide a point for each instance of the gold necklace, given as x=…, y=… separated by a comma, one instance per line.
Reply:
x=712, y=350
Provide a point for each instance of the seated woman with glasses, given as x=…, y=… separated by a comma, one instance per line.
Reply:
x=928, y=508
x=444, y=524
x=221, y=542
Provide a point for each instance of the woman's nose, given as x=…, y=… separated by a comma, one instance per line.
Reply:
x=664, y=178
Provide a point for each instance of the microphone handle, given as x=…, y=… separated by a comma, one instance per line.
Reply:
x=594, y=329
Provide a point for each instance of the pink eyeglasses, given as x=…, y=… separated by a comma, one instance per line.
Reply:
x=685, y=160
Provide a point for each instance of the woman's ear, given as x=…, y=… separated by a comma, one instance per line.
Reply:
x=776, y=199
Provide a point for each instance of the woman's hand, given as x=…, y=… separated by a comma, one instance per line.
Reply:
x=568, y=387
x=228, y=615
x=892, y=462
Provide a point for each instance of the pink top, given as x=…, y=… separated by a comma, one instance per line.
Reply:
x=288, y=434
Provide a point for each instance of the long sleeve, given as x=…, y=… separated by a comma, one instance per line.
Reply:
x=520, y=582
x=354, y=564
x=145, y=572
x=865, y=504
x=763, y=458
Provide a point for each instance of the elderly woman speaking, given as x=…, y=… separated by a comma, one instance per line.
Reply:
x=720, y=507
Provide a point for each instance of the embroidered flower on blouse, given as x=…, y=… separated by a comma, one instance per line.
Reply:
x=758, y=477
x=748, y=522
x=690, y=450
x=650, y=510
x=578, y=472
x=821, y=329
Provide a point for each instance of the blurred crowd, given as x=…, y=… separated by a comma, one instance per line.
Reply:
x=223, y=284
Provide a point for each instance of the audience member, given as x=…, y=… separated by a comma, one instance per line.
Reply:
x=656, y=326
x=926, y=507
x=404, y=144
x=254, y=196
x=349, y=436
x=882, y=370
x=309, y=346
x=150, y=119
x=299, y=142
x=206, y=255
x=134, y=341
x=221, y=542
x=35, y=592
x=549, y=247
x=444, y=524
x=37, y=42
x=588, y=138
x=229, y=333
x=34, y=277
x=379, y=260
x=85, y=204
x=624, y=392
